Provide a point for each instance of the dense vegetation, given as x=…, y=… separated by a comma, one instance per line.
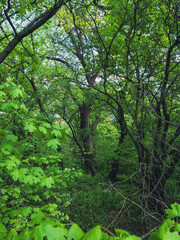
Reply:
x=89, y=119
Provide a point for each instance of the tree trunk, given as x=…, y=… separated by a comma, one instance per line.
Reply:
x=89, y=162
x=113, y=173
x=112, y=176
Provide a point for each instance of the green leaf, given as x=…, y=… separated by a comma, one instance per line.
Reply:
x=75, y=232
x=132, y=237
x=23, y=108
x=38, y=233
x=172, y=236
x=30, y=127
x=47, y=229
x=105, y=236
x=15, y=159
x=12, y=235
x=11, y=137
x=4, y=85
x=111, y=238
x=163, y=231
x=12, y=163
x=177, y=227
x=7, y=149
x=154, y=236
x=53, y=143
x=43, y=129
x=28, y=179
x=52, y=232
x=37, y=171
x=16, y=192
x=4, y=191
x=25, y=235
x=56, y=133
x=8, y=106
x=2, y=94
x=94, y=233
x=18, y=92
x=166, y=236
x=48, y=182
x=121, y=233
x=47, y=125
x=16, y=174
x=26, y=211
x=37, y=219
x=2, y=228
x=174, y=212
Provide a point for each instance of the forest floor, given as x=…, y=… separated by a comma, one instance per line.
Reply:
x=95, y=202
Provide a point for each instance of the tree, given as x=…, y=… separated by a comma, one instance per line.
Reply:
x=142, y=83
x=73, y=35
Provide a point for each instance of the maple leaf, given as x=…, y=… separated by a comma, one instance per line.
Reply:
x=43, y=129
x=47, y=182
x=53, y=143
x=30, y=127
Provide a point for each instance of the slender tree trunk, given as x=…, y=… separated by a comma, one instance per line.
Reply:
x=114, y=170
x=112, y=176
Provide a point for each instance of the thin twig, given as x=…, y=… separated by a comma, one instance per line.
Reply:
x=147, y=234
x=134, y=203
x=117, y=214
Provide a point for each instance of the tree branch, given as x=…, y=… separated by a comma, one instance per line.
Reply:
x=8, y=18
x=31, y=27
x=59, y=60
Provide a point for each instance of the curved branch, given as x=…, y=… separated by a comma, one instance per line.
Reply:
x=59, y=60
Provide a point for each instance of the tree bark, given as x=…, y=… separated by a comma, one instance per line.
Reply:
x=87, y=139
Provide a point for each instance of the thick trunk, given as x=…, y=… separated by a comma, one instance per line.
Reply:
x=89, y=164
x=86, y=137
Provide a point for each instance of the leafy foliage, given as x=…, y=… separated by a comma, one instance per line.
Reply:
x=47, y=229
x=89, y=87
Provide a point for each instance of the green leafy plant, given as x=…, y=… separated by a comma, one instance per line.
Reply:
x=50, y=230
x=170, y=229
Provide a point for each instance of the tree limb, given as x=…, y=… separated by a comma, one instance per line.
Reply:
x=59, y=60
x=31, y=27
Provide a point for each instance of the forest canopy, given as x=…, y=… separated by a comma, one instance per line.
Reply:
x=89, y=108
